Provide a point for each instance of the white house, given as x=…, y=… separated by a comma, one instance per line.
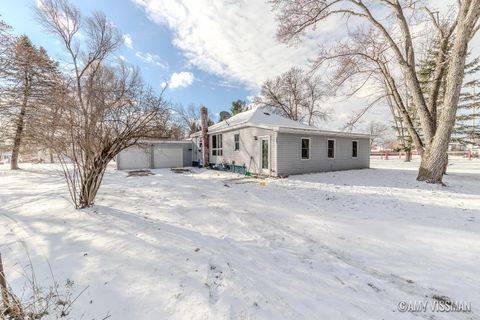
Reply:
x=266, y=143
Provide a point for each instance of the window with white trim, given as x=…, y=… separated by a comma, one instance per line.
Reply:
x=331, y=148
x=305, y=148
x=236, y=140
x=354, y=149
x=217, y=146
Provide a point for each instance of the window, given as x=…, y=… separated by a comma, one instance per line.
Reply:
x=217, y=145
x=214, y=145
x=354, y=149
x=265, y=153
x=220, y=146
x=331, y=148
x=236, y=140
x=306, y=148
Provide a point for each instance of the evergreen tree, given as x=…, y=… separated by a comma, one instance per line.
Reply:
x=238, y=106
x=5, y=41
x=29, y=82
x=467, y=126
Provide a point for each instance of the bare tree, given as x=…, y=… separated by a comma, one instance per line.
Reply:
x=295, y=95
x=106, y=108
x=377, y=130
x=364, y=60
x=166, y=125
x=189, y=118
x=393, y=49
x=314, y=94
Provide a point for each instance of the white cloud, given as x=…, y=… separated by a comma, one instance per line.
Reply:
x=179, y=80
x=151, y=59
x=232, y=39
x=127, y=39
x=236, y=40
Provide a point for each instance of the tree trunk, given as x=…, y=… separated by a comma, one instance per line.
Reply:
x=434, y=160
x=445, y=164
x=90, y=185
x=408, y=155
x=17, y=141
x=432, y=166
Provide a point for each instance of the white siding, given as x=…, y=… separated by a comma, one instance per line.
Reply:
x=290, y=161
x=249, y=153
x=285, y=152
x=135, y=157
x=167, y=157
x=156, y=154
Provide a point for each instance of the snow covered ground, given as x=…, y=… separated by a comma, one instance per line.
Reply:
x=212, y=245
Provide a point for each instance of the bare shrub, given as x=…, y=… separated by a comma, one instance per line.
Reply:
x=106, y=106
x=37, y=302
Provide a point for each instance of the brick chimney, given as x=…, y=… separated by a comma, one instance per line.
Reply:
x=205, y=144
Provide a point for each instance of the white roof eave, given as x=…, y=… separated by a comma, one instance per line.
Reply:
x=323, y=132
x=163, y=141
x=235, y=127
x=312, y=131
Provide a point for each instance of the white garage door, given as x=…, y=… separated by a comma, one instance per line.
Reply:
x=167, y=157
x=134, y=158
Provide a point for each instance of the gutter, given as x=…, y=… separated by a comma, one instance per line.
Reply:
x=323, y=132
x=290, y=130
x=164, y=142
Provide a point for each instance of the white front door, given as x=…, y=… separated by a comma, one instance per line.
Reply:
x=265, y=155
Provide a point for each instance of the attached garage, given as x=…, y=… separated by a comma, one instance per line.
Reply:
x=167, y=157
x=135, y=157
x=156, y=155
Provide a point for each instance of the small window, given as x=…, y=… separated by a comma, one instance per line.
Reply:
x=354, y=149
x=236, y=138
x=331, y=148
x=306, y=148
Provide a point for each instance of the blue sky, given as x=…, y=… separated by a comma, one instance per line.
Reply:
x=211, y=51
x=149, y=39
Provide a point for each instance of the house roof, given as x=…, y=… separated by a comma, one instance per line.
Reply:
x=262, y=118
x=258, y=117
